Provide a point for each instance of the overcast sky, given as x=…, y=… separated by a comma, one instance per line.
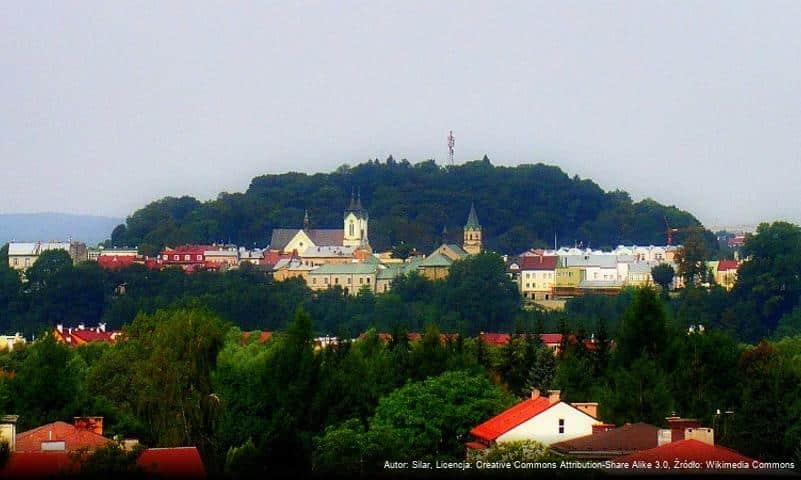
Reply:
x=106, y=106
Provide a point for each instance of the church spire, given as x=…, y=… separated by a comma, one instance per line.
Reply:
x=306, y=221
x=444, y=234
x=472, y=219
x=352, y=206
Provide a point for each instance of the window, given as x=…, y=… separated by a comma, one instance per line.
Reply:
x=187, y=257
x=16, y=262
x=349, y=280
x=326, y=280
x=176, y=257
x=314, y=281
x=27, y=262
x=368, y=280
x=199, y=258
x=361, y=280
x=561, y=426
x=350, y=229
x=336, y=280
x=166, y=257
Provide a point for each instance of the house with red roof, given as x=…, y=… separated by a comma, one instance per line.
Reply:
x=545, y=419
x=693, y=454
x=726, y=273
x=536, y=276
x=178, y=462
x=550, y=340
x=82, y=335
x=85, y=432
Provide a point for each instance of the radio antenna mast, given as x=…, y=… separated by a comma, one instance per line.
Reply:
x=451, y=143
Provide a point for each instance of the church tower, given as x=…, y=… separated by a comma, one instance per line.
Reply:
x=355, y=223
x=472, y=233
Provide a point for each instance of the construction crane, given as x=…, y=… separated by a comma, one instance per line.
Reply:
x=670, y=231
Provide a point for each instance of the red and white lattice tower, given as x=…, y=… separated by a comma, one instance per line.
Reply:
x=451, y=143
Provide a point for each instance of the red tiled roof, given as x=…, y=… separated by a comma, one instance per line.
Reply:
x=685, y=451
x=727, y=265
x=538, y=262
x=74, y=438
x=551, y=338
x=503, y=338
x=172, y=462
x=611, y=443
x=38, y=465
x=263, y=336
x=112, y=262
x=507, y=420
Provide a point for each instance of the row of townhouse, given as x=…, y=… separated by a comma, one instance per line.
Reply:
x=568, y=272
x=22, y=255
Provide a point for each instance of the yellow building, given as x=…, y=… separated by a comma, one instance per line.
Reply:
x=567, y=277
x=8, y=430
x=351, y=277
x=287, y=268
x=435, y=266
x=726, y=273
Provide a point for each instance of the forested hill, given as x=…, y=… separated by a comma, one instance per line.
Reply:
x=518, y=207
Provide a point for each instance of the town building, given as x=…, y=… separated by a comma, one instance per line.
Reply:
x=22, y=255
x=81, y=335
x=11, y=342
x=351, y=277
x=537, y=275
x=726, y=273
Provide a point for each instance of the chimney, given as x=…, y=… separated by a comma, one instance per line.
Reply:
x=101, y=327
x=8, y=430
x=590, y=408
x=602, y=427
x=554, y=396
x=706, y=435
x=535, y=393
x=129, y=444
x=89, y=424
x=677, y=425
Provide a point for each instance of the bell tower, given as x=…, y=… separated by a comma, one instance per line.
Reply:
x=355, y=223
x=472, y=233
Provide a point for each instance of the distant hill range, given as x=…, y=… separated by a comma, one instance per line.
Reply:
x=518, y=207
x=33, y=227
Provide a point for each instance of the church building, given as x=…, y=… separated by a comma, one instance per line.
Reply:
x=353, y=234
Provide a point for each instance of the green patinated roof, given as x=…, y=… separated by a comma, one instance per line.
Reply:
x=459, y=250
x=411, y=265
x=436, y=260
x=389, y=272
x=372, y=260
x=345, y=269
x=472, y=219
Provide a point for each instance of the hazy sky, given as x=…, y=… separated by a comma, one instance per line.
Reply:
x=106, y=106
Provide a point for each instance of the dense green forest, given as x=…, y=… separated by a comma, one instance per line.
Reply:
x=519, y=208
x=284, y=406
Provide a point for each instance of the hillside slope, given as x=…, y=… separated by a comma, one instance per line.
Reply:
x=518, y=207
